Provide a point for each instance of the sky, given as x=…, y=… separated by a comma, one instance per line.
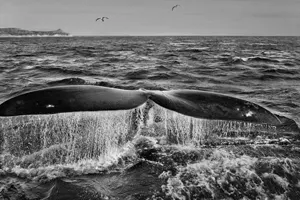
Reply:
x=155, y=17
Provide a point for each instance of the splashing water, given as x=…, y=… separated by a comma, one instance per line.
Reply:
x=184, y=130
x=65, y=138
x=227, y=175
x=43, y=140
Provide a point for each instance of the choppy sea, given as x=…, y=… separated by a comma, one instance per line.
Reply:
x=92, y=155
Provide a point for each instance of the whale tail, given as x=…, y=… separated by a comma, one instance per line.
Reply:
x=198, y=104
x=214, y=106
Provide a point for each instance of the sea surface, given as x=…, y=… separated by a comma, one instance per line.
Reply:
x=94, y=155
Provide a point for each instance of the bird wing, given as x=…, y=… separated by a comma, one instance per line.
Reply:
x=174, y=7
x=104, y=18
x=98, y=19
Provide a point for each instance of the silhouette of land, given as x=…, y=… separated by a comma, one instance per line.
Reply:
x=21, y=32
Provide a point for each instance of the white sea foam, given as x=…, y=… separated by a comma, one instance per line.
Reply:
x=181, y=43
x=29, y=67
x=47, y=58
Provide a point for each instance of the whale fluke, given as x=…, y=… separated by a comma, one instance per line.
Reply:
x=71, y=99
x=198, y=104
x=215, y=106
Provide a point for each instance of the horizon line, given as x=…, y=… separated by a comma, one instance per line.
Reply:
x=212, y=35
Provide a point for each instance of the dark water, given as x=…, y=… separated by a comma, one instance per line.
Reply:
x=93, y=155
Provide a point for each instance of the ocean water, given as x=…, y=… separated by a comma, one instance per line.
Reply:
x=96, y=155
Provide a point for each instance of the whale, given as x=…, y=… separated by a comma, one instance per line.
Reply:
x=81, y=98
x=214, y=106
x=72, y=99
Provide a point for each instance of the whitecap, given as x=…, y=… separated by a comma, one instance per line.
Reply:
x=29, y=67
x=181, y=43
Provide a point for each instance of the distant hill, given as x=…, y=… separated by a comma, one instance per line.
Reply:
x=21, y=32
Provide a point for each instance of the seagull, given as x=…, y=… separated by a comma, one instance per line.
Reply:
x=102, y=18
x=175, y=7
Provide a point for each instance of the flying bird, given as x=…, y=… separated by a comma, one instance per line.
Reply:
x=102, y=18
x=175, y=7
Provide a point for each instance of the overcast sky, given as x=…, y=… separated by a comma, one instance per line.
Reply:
x=154, y=17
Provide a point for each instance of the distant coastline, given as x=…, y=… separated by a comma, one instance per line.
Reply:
x=17, y=32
